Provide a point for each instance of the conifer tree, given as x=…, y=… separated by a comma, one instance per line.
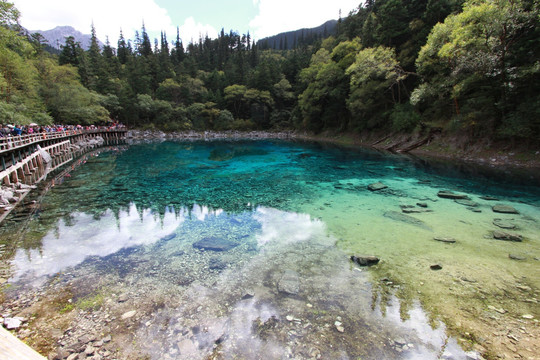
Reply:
x=145, y=46
x=123, y=50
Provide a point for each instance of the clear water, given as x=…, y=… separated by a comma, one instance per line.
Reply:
x=117, y=236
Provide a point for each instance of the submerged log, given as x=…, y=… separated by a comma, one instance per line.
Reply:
x=383, y=139
x=420, y=142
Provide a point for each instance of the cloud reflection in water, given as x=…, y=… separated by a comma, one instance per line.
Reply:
x=70, y=245
x=286, y=227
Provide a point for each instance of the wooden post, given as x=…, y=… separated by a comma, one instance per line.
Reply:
x=14, y=177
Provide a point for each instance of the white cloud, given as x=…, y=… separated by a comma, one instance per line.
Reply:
x=277, y=16
x=108, y=16
x=191, y=31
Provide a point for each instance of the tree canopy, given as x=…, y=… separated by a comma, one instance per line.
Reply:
x=467, y=66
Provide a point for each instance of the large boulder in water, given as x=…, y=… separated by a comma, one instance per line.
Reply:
x=214, y=244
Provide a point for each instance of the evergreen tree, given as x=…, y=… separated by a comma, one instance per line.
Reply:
x=94, y=64
x=165, y=64
x=145, y=45
x=123, y=49
x=70, y=53
x=177, y=53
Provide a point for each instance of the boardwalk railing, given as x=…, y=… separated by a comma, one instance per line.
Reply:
x=14, y=142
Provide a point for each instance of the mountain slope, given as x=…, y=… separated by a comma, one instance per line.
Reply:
x=57, y=36
x=290, y=39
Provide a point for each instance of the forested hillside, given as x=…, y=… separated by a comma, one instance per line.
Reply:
x=467, y=67
x=292, y=39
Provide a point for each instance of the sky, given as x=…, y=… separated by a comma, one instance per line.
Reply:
x=261, y=18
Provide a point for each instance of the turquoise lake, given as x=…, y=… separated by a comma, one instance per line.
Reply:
x=241, y=250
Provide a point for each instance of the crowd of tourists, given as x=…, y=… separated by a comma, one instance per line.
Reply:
x=18, y=130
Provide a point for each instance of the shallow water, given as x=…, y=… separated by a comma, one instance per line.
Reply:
x=118, y=236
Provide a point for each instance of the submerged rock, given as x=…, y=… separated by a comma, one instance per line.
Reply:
x=517, y=257
x=365, y=260
x=449, y=240
x=289, y=283
x=415, y=211
x=129, y=314
x=436, y=267
x=500, y=235
x=446, y=194
x=248, y=294
x=489, y=198
x=217, y=264
x=406, y=206
x=187, y=347
x=503, y=224
x=377, y=186
x=168, y=237
x=214, y=244
x=394, y=215
x=504, y=209
x=466, y=202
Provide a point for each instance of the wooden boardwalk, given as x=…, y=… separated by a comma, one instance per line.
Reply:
x=22, y=161
x=12, y=348
x=17, y=142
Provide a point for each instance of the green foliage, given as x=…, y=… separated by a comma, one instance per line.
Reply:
x=345, y=52
x=322, y=102
x=202, y=116
x=9, y=15
x=71, y=52
x=374, y=86
x=67, y=308
x=473, y=64
x=74, y=104
x=392, y=23
x=281, y=119
x=404, y=118
x=10, y=115
x=90, y=302
x=224, y=121
x=523, y=123
x=248, y=103
x=153, y=111
x=111, y=102
x=476, y=64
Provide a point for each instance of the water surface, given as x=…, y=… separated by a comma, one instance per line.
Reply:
x=114, y=247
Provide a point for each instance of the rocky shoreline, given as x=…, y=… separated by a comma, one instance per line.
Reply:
x=207, y=135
